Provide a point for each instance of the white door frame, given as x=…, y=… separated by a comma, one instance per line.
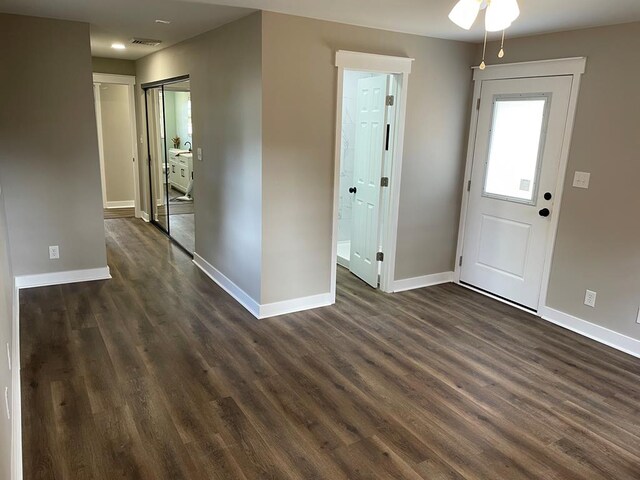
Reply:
x=130, y=81
x=400, y=66
x=573, y=67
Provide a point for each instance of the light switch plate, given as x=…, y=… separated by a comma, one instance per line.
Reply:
x=581, y=179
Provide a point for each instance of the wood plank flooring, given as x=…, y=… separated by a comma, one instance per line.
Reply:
x=183, y=230
x=159, y=374
x=125, y=212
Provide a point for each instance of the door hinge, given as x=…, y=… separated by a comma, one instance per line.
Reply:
x=478, y=105
x=380, y=257
x=384, y=182
x=469, y=186
x=460, y=262
x=390, y=100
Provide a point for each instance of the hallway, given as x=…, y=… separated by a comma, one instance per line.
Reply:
x=159, y=374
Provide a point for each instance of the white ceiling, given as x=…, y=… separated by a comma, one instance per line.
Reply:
x=430, y=17
x=120, y=20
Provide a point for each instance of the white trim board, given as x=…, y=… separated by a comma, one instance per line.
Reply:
x=114, y=78
x=122, y=204
x=261, y=311
x=423, y=281
x=296, y=305
x=591, y=330
x=540, y=68
x=343, y=262
x=575, y=67
x=400, y=66
x=16, y=396
x=129, y=81
x=371, y=61
x=59, y=278
x=227, y=285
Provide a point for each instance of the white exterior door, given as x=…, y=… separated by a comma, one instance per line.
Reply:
x=519, y=138
x=369, y=151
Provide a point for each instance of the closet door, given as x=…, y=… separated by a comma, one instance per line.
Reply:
x=159, y=169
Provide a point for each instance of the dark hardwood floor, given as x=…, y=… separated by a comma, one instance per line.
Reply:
x=159, y=374
x=125, y=212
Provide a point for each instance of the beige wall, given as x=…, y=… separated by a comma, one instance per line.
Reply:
x=598, y=243
x=115, y=66
x=299, y=105
x=6, y=335
x=49, y=161
x=116, y=142
x=225, y=71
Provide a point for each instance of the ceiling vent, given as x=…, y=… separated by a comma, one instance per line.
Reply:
x=146, y=42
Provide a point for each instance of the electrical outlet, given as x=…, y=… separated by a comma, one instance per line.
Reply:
x=54, y=252
x=9, y=356
x=590, y=299
x=199, y=151
x=638, y=317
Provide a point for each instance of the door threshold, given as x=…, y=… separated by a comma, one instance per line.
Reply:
x=497, y=297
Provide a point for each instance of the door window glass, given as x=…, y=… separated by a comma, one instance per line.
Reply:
x=516, y=142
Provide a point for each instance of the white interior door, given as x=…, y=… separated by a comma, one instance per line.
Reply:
x=521, y=124
x=367, y=172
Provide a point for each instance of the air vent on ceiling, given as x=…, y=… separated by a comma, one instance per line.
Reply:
x=146, y=42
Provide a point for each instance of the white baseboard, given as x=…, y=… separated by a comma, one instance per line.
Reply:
x=296, y=305
x=59, y=278
x=343, y=262
x=591, y=330
x=16, y=397
x=344, y=248
x=227, y=285
x=122, y=204
x=257, y=310
x=145, y=216
x=421, y=282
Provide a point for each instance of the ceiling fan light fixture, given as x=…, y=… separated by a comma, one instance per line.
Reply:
x=500, y=14
x=465, y=13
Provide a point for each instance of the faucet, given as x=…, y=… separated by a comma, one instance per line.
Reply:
x=185, y=144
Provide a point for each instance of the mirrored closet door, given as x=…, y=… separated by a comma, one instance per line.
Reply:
x=171, y=173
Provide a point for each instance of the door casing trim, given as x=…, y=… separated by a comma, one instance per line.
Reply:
x=129, y=81
x=573, y=67
x=400, y=66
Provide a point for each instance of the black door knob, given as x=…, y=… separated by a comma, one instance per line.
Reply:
x=545, y=212
x=548, y=196
x=353, y=189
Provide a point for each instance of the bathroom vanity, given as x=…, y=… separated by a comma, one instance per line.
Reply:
x=180, y=168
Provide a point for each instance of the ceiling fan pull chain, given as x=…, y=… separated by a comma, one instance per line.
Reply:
x=501, y=52
x=484, y=50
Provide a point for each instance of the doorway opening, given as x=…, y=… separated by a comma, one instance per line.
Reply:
x=372, y=91
x=115, y=119
x=368, y=124
x=171, y=173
